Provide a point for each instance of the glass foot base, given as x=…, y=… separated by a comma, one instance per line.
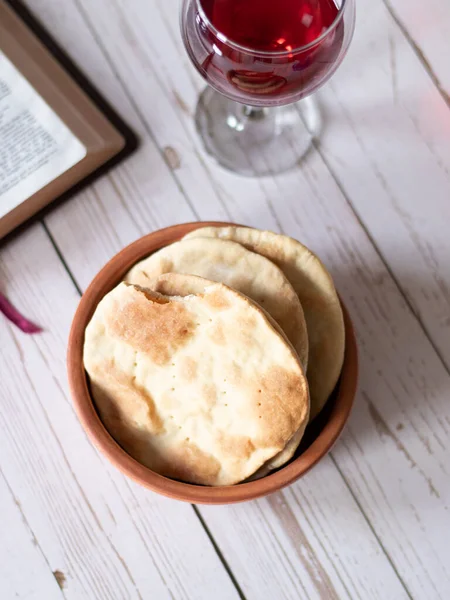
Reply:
x=256, y=141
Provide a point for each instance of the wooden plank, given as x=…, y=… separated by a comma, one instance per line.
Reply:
x=24, y=572
x=398, y=433
x=106, y=536
x=427, y=25
x=402, y=376
x=309, y=541
x=388, y=142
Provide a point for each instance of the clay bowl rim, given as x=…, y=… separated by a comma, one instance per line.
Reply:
x=104, y=281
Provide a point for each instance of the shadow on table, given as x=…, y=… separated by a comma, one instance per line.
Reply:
x=403, y=381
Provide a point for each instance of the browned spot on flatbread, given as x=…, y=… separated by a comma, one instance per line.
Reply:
x=276, y=404
x=169, y=401
x=149, y=293
x=124, y=430
x=234, y=375
x=209, y=394
x=244, y=329
x=236, y=446
x=188, y=369
x=122, y=391
x=246, y=322
x=217, y=335
x=217, y=300
x=188, y=463
x=152, y=326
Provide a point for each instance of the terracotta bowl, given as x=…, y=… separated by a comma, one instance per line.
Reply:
x=320, y=435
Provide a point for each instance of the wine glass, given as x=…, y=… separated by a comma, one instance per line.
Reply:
x=262, y=59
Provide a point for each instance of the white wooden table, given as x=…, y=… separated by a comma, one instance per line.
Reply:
x=372, y=520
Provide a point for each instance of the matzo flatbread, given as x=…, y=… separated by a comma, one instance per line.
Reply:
x=201, y=389
x=183, y=285
x=231, y=264
x=314, y=286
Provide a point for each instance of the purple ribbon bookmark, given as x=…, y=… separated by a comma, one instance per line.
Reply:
x=15, y=317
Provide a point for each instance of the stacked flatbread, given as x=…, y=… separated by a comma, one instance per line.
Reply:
x=207, y=363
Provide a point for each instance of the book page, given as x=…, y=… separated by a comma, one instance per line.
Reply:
x=36, y=146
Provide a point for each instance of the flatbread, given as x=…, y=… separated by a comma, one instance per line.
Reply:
x=183, y=285
x=314, y=286
x=231, y=264
x=201, y=388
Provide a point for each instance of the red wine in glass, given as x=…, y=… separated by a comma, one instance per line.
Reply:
x=269, y=52
x=270, y=25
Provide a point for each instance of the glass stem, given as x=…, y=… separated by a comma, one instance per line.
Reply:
x=254, y=113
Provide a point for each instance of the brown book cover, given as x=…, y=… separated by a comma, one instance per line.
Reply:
x=52, y=134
